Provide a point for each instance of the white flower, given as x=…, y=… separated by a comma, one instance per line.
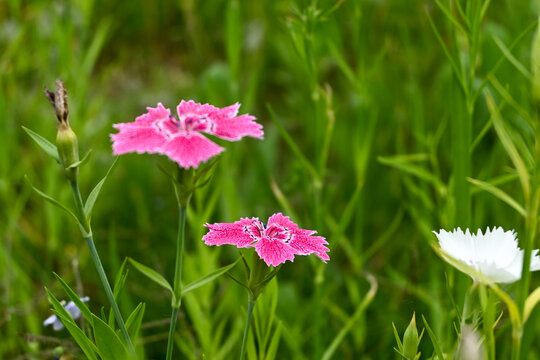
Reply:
x=71, y=308
x=490, y=257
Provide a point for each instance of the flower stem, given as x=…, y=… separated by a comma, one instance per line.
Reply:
x=87, y=234
x=109, y=293
x=172, y=328
x=251, y=305
x=177, y=275
x=516, y=343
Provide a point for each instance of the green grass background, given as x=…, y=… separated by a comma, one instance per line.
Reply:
x=378, y=145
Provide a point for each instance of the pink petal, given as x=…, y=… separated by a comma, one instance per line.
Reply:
x=304, y=244
x=153, y=115
x=302, y=241
x=281, y=220
x=190, y=149
x=231, y=127
x=273, y=252
x=192, y=109
x=143, y=135
x=231, y=234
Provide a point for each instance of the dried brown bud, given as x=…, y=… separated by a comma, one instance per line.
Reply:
x=59, y=102
x=66, y=140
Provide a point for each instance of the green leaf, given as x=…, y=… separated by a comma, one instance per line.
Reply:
x=448, y=13
x=506, y=52
x=119, y=283
x=207, y=278
x=86, y=345
x=45, y=144
x=434, y=341
x=52, y=200
x=89, y=205
x=510, y=304
x=75, y=298
x=508, y=144
x=398, y=340
x=415, y=170
x=530, y=303
x=453, y=63
x=233, y=32
x=368, y=298
x=109, y=345
x=498, y=193
x=292, y=144
x=80, y=162
x=274, y=343
x=134, y=321
x=152, y=275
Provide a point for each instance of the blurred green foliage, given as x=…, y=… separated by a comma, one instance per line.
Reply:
x=343, y=89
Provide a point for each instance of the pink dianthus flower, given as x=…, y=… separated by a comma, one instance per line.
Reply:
x=158, y=131
x=275, y=242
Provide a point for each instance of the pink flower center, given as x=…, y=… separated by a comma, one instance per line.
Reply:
x=195, y=122
x=192, y=122
x=258, y=230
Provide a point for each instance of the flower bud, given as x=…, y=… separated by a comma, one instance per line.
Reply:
x=68, y=150
x=66, y=140
x=411, y=340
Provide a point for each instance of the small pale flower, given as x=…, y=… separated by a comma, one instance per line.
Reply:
x=275, y=242
x=181, y=140
x=490, y=257
x=71, y=308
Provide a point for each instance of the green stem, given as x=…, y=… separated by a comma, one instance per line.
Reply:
x=180, y=249
x=172, y=328
x=516, y=343
x=109, y=292
x=489, y=321
x=177, y=274
x=251, y=305
x=87, y=234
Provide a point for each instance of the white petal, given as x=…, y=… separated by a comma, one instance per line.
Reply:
x=490, y=256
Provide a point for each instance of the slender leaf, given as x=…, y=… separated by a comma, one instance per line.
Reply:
x=45, y=144
x=510, y=304
x=292, y=144
x=498, y=193
x=530, y=303
x=80, y=162
x=274, y=343
x=109, y=345
x=506, y=52
x=398, y=340
x=434, y=340
x=134, y=321
x=448, y=13
x=89, y=205
x=368, y=298
x=86, y=345
x=453, y=63
x=75, y=298
x=208, y=278
x=52, y=200
x=414, y=170
x=119, y=283
x=152, y=275
x=508, y=144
